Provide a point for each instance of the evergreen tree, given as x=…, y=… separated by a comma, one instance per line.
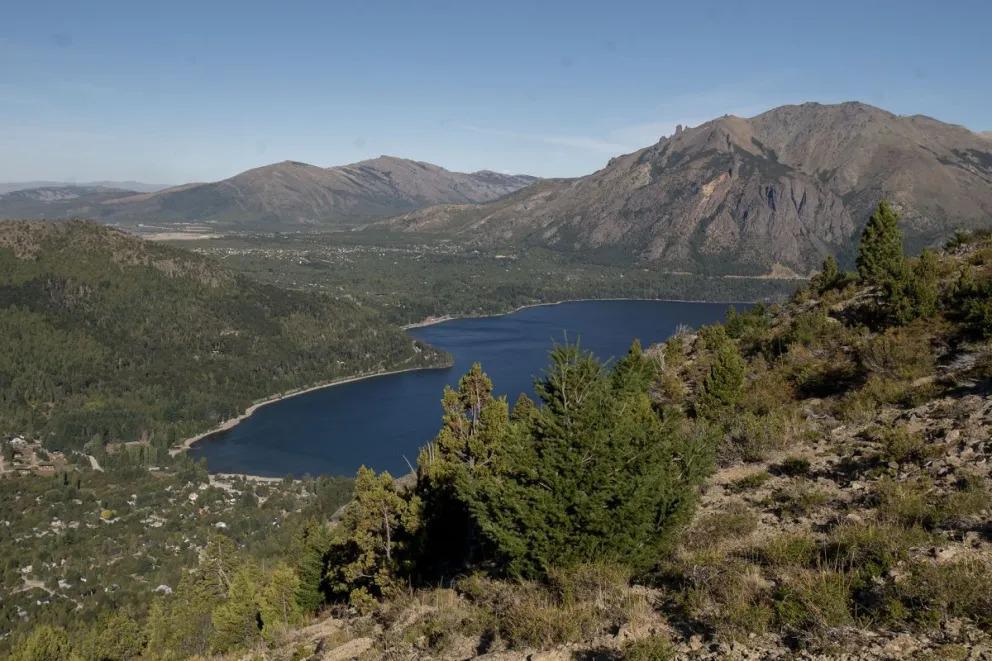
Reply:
x=115, y=636
x=44, y=643
x=278, y=607
x=310, y=563
x=594, y=474
x=724, y=384
x=524, y=408
x=180, y=626
x=635, y=372
x=237, y=621
x=924, y=286
x=468, y=446
x=374, y=538
x=829, y=275
x=473, y=423
x=880, y=255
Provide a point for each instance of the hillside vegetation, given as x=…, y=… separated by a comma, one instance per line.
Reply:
x=110, y=338
x=805, y=479
x=409, y=282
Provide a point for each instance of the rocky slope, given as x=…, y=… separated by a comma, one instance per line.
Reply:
x=739, y=195
x=282, y=196
x=849, y=516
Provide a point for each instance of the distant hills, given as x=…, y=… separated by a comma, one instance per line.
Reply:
x=135, y=186
x=771, y=194
x=747, y=195
x=284, y=196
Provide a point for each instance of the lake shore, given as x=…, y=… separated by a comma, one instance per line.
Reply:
x=432, y=321
x=231, y=422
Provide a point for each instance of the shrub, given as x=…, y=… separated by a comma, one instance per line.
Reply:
x=445, y=616
x=794, y=549
x=752, y=437
x=724, y=383
x=799, y=498
x=871, y=549
x=748, y=326
x=750, y=482
x=808, y=328
x=812, y=600
x=933, y=592
x=901, y=445
x=898, y=353
x=828, y=277
x=768, y=390
x=794, y=466
x=973, y=303
x=729, y=595
x=652, y=648
x=572, y=605
x=735, y=522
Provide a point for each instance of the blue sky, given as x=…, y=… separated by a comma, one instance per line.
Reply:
x=172, y=91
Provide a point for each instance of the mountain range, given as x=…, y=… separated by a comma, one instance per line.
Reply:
x=284, y=196
x=748, y=195
x=770, y=194
x=136, y=186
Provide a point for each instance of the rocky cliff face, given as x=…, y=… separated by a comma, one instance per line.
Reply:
x=739, y=195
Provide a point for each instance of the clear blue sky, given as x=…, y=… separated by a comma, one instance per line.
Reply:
x=173, y=91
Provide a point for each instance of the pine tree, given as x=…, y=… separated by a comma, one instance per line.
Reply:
x=924, y=286
x=237, y=621
x=309, y=553
x=114, y=636
x=594, y=474
x=44, y=643
x=724, y=384
x=523, y=409
x=880, y=254
x=372, y=550
x=469, y=445
x=278, y=605
x=829, y=275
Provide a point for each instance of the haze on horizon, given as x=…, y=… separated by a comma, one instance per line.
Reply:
x=194, y=92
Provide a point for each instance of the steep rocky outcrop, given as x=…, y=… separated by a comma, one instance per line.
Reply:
x=741, y=195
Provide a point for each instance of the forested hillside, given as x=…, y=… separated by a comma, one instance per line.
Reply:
x=110, y=338
x=810, y=479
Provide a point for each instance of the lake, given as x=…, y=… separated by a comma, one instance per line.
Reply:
x=383, y=421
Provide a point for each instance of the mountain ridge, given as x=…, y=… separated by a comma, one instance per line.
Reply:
x=742, y=195
x=137, y=186
x=288, y=195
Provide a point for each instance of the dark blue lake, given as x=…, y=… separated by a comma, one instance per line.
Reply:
x=383, y=421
